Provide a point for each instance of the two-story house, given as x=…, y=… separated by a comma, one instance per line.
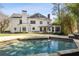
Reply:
x=25, y=23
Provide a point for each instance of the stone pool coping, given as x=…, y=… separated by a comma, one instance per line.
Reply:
x=30, y=36
x=68, y=51
x=58, y=53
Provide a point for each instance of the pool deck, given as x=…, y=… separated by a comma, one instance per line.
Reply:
x=64, y=52
x=29, y=36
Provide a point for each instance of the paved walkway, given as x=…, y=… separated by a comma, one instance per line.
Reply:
x=5, y=38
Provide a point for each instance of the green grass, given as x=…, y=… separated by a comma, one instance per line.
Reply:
x=7, y=34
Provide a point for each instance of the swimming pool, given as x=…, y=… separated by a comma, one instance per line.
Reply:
x=37, y=46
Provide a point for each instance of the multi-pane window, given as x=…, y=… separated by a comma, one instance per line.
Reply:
x=20, y=22
x=32, y=22
x=24, y=28
x=15, y=29
x=40, y=28
x=57, y=29
x=49, y=29
x=41, y=22
x=47, y=22
x=52, y=29
x=44, y=29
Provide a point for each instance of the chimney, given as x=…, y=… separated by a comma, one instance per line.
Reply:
x=24, y=14
x=24, y=11
x=48, y=16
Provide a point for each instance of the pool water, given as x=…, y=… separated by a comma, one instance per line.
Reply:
x=32, y=47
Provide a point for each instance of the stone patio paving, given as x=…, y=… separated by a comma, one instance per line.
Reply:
x=27, y=36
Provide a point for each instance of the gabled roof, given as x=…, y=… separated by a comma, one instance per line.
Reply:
x=38, y=15
x=16, y=15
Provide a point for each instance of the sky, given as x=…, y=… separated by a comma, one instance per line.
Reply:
x=10, y=8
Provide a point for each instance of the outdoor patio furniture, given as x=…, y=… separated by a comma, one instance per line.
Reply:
x=76, y=35
x=71, y=36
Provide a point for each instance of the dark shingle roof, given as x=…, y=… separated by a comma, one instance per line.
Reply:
x=38, y=15
x=16, y=15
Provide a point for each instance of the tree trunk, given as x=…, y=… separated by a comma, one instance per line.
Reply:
x=78, y=25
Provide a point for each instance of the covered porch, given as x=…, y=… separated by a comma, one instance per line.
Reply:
x=24, y=28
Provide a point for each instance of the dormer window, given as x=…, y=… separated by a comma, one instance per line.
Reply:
x=20, y=22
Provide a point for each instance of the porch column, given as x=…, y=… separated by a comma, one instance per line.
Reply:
x=20, y=29
x=42, y=29
x=46, y=29
x=54, y=29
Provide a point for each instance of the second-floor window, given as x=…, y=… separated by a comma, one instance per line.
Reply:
x=32, y=22
x=20, y=22
x=41, y=22
x=47, y=22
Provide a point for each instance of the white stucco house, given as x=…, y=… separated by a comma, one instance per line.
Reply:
x=31, y=23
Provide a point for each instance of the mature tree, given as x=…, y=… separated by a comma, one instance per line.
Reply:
x=56, y=10
x=65, y=19
x=68, y=23
x=4, y=25
x=74, y=9
x=4, y=22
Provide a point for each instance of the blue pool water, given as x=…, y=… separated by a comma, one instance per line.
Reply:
x=32, y=47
